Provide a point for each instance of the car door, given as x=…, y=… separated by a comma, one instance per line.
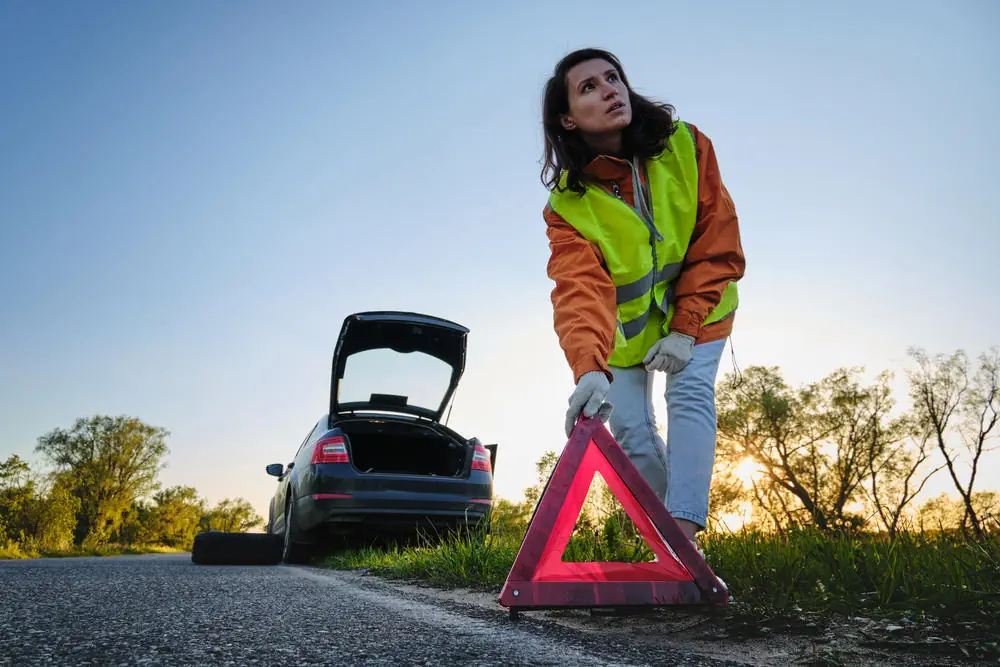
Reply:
x=277, y=508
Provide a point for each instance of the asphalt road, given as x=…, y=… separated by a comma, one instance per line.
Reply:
x=164, y=610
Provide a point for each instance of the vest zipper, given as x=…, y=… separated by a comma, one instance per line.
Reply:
x=639, y=211
x=644, y=207
x=641, y=208
x=645, y=210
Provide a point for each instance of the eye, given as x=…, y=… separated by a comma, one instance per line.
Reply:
x=586, y=87
x=612, y=77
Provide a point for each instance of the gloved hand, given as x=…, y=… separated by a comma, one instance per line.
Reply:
x=670, y=354
x=588, y=397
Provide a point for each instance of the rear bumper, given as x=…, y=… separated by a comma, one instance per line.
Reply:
x=389, y=510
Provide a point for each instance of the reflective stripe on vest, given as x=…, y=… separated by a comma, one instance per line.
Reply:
x=644, y=246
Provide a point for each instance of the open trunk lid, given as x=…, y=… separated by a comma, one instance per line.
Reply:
x=412, y=364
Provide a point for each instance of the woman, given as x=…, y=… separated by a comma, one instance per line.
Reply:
x=645, y=255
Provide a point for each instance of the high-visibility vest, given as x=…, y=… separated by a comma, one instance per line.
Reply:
x=644, y=249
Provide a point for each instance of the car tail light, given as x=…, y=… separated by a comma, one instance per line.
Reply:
x=331, y=450
x=481, y=459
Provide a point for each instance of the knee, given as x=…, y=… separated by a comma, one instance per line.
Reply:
x=691, y=394
x=628, y=432
x=635, y=436
x=628, y=417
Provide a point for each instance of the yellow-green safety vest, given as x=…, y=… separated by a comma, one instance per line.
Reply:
x=644, y=250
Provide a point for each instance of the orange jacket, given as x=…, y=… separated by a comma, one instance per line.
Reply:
x=583, y=300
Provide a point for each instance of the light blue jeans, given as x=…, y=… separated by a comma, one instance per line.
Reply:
x=680, y=471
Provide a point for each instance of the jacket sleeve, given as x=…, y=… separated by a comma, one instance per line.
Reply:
x=715, y=253
x=583, y=299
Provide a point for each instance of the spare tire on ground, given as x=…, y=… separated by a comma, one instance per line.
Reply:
x=219, y=548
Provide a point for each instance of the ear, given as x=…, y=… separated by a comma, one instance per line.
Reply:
x=568, y=122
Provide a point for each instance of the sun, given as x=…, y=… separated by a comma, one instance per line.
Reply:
x=748, y=471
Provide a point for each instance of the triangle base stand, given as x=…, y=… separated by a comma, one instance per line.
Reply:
x=539, y=579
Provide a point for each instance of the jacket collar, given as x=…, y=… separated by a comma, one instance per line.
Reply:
x=608, y=168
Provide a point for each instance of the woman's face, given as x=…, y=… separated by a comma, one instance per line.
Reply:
x=598, y=100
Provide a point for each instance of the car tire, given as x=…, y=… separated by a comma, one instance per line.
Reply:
x=293, y=551
x=219, y=548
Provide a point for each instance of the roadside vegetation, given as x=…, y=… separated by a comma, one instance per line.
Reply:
x=100, y=496
x=818, y=506
x=823, y=480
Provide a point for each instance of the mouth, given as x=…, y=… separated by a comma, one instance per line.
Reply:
x=617, y=106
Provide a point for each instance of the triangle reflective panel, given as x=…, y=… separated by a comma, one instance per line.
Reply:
x=539, y=579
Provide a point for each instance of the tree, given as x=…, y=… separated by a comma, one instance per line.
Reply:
x=50, y=518
x=134, y=527
x=898, y=473
x=31, y=514
x=175, y=518
x=862, y=429
x=510, y=519
x=543, y=470
x=17, y=490
x=940, y=513
x=945, y=513
x=231, y=516
x=599, y=505
x=106, y=462
x=727, y=491
x=759, y=418
x=812, y=444
x=952, y=405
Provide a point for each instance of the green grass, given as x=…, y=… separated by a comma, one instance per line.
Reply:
x=15, y=552
x=472, y=560
x=803, y=572
x=934, y=573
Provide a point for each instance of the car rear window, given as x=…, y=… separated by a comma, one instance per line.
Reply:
x=423, y=379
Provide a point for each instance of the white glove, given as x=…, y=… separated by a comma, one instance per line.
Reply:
x=669, y=354
x=589, y=397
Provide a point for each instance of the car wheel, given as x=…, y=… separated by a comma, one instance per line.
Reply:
x=293, y=550
x=219, y=548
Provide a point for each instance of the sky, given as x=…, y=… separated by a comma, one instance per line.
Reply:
x=194, y=195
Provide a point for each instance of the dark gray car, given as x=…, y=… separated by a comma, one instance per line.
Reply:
x=382, y=462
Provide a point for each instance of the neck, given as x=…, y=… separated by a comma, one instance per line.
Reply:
x=609, y=143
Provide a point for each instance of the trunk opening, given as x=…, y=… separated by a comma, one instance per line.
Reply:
x=390, y=448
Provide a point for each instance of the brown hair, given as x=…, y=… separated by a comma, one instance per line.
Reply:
x=566, y=151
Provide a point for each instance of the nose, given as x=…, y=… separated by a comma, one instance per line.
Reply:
x=609, y=91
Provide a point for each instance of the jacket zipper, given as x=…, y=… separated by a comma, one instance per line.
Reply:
x=654, y=233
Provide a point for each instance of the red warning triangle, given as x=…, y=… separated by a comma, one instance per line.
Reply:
x=540, y=579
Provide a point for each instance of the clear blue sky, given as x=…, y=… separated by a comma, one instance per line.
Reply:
x=194, y=195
